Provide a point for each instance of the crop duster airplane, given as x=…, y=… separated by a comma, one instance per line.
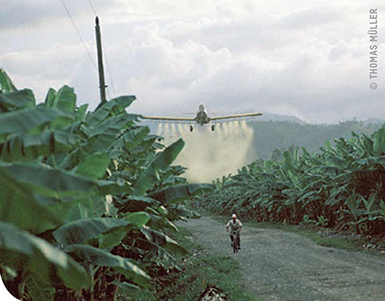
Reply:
x=202, y=118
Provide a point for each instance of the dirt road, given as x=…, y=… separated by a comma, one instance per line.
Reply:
x=278, y=265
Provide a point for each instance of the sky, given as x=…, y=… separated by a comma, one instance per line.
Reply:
x=308, y=59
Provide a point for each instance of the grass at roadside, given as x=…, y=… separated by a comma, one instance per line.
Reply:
x=198, y=270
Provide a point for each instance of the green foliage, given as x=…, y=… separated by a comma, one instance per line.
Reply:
x=81, y=231
x=272, y=138
x=6, y=83
x=340, y=187
x=160, y=162
x=15, y=195
x=21, y=250
x=97, y=257
x=83, y=195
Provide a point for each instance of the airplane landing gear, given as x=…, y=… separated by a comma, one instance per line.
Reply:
x=191, y=128
x=213, y=127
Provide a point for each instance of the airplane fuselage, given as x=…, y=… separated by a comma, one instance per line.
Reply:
x=202, y=117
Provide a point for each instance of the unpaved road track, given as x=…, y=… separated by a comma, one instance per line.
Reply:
x=278, y=265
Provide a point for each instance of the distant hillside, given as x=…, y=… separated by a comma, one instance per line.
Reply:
x=272, y=131
x=271, y=135
x=277, y=117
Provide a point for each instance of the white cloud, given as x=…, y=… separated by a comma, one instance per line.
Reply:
x=296, y=57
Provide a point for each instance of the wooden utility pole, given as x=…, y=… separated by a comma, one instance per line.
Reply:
x=102, y=84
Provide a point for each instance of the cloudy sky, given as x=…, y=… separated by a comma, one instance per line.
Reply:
x=303, y=58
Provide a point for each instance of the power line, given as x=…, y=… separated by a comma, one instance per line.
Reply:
x=92, y=6
x=109, y=72
x=78, y=33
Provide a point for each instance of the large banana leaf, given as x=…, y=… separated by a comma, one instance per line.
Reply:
x=100, y=258
x=113, y=238
x=50, y=97
x=24, y=121
x=183, y=213
x=26, y=147
x=131, y=139
x=111, y=108
x=104, y=134
x=6, y=84
x=163, y=240
x=64, y=99
x=51, y=182
x=80, y=112
x=23, y=99
x=179, y=193
x=81, y=231
x=135, y=203
x=139, y=219
x=151, y=175
x=94, y=166
x=76, y=208
x=20, y=250
x=19, y=206
x=379, y=142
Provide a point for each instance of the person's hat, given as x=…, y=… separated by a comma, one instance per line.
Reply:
x=234, y=216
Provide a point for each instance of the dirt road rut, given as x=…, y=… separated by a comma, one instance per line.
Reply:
x=278, y=265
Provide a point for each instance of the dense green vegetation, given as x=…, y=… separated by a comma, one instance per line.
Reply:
x=87, y=199
x=270, y=136
x=340, y=187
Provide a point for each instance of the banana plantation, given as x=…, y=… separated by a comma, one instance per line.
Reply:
x=87, y=199
x=341, y=187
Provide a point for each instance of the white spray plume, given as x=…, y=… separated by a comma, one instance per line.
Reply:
x=207, y=154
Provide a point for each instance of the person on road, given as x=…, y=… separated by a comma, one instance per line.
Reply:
x=236, y=226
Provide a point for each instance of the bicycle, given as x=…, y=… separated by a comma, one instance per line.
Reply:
x=234, y=236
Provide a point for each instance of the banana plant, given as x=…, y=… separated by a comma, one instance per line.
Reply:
x=342, y=186
x=83, y=194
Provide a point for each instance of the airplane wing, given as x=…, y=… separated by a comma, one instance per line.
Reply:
x=235, y=116
x=168, y=118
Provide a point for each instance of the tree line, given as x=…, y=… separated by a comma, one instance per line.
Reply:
x=340, y=186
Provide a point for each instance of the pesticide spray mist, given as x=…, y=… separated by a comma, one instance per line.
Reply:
x=207, y=154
